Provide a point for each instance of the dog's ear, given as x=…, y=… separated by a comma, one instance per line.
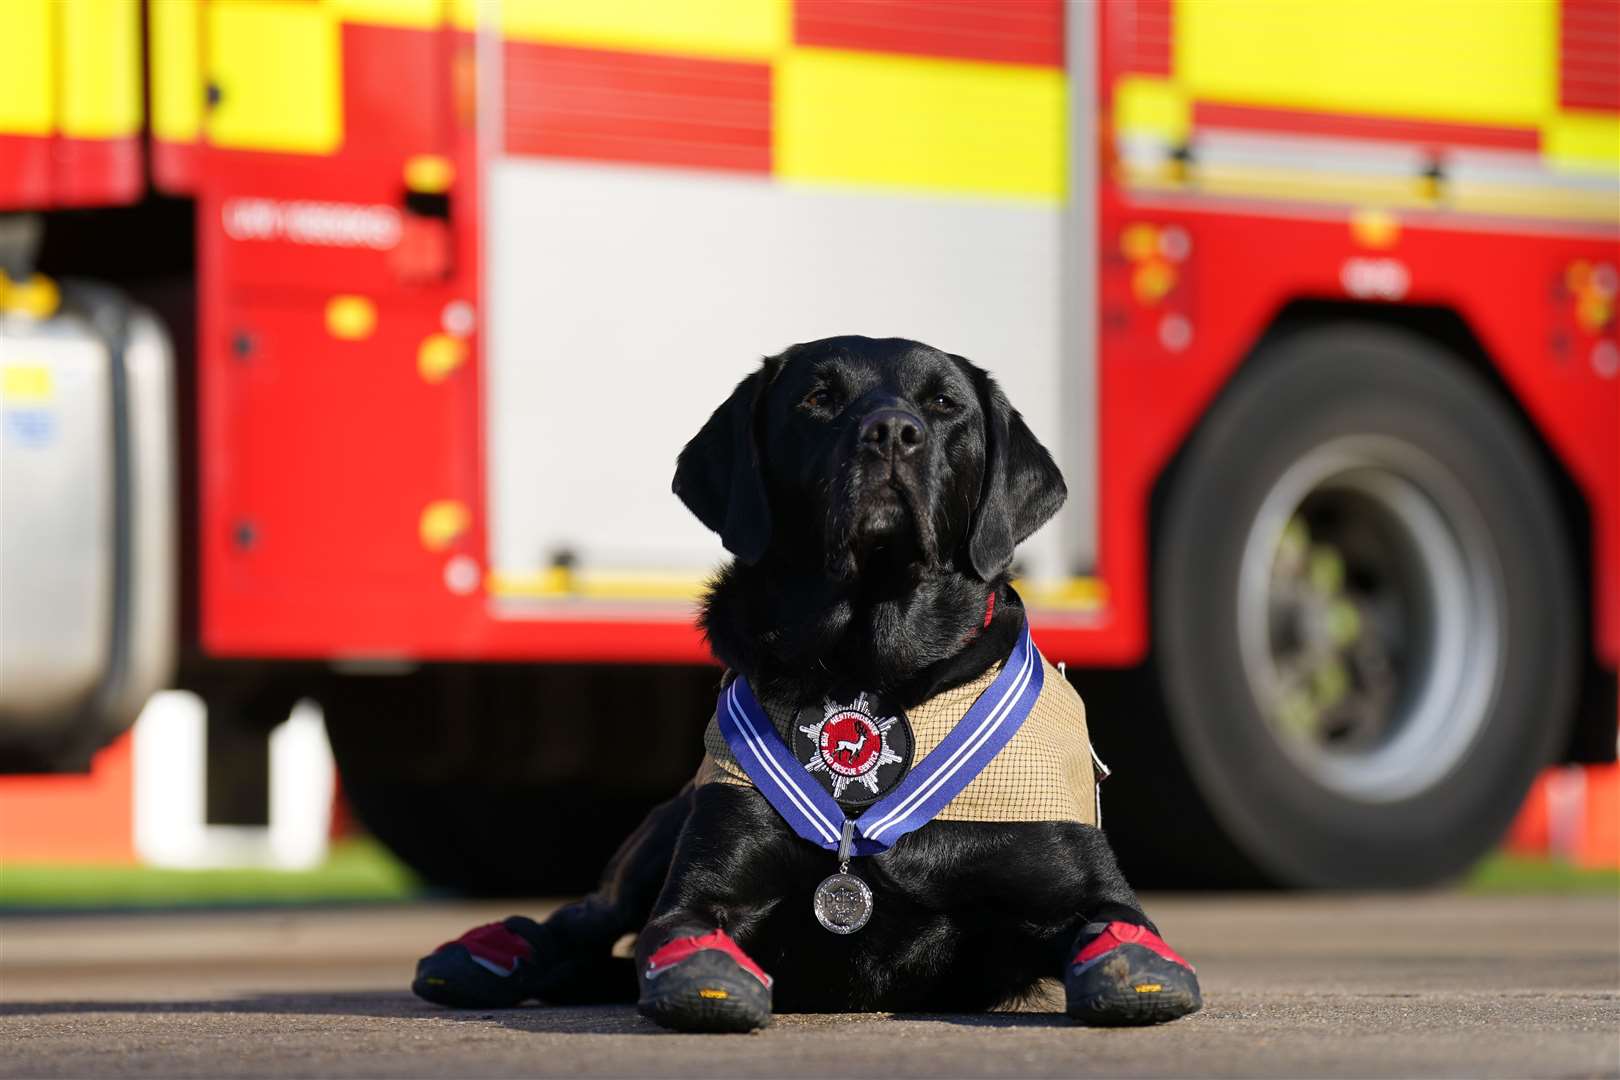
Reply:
x=719, y=475
x=1022, y=486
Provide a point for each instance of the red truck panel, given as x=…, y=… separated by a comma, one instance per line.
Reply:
x=333, y=449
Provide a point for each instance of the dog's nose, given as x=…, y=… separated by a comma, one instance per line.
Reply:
x=893, y=431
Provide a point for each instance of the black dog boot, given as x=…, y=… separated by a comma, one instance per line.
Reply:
x=494, y=966
x=1125, y=975
x=705, y=983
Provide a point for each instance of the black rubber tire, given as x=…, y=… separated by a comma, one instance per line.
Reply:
x=514, y=781
x=1276, y=822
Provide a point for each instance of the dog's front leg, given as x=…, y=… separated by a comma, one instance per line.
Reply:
x=694, y=974
x=1117, y=970
x=568, y=959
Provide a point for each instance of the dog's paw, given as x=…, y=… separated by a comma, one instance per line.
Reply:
x=1126, y=975
x=705, y=983
x=489, y=967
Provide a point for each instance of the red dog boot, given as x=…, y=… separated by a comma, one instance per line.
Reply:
x=1125, y=975
x=705, y=983
x=488, y=967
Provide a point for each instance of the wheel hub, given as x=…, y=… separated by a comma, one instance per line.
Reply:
x=1369, y=617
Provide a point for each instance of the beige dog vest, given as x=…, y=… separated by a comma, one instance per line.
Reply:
x=1046, y=772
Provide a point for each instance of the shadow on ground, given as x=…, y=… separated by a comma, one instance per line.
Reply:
x=581, y=1020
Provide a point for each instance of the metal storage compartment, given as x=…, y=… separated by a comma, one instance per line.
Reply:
x=87, y=525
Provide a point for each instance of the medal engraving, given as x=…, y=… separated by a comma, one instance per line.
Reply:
x=843, y=903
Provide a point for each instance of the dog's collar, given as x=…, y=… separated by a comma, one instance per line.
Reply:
x=989, y=614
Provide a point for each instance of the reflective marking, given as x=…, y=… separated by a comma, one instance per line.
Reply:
x=279, y=69
x=906, y=122
x=439, y=355
x=1498, y=64
x=442, y=522
x=491, y=965
x=351, y=318
x=1375, y=228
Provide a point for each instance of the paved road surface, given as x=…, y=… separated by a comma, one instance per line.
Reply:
x=1433, y=985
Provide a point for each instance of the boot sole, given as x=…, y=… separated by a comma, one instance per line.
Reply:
x=708, y=991
x=451, y=977
x=1130, y=987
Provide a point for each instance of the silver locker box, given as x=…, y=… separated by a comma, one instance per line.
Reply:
x=62, y=661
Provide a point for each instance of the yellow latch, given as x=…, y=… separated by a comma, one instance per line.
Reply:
x=429, y=174
x=36, y=297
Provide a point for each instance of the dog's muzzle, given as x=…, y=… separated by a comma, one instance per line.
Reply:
x=882, y=490
x=892, y=433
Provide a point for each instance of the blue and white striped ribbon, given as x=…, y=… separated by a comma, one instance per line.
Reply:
x=990, y=722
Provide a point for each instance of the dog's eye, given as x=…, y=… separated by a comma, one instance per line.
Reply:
x=820, y=398
x=942, y=404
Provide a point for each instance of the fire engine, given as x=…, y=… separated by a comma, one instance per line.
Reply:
x=401, y=310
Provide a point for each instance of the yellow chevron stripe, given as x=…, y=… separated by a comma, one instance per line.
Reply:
x=27, y=68
x=101, y=69
x=893, y=121
x=1580, y=141
x=561, y=583
x=280, y=74
x=1301, y=185
x=175, y=31
x=1481, y=63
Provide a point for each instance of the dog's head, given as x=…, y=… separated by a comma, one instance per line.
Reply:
x=852, y=451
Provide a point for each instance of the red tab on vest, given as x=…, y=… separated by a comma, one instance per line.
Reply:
x=495, y=943
x=685, y=948
x=1123, y=933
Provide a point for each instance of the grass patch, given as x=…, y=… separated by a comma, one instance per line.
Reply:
x=361, y=870
x=1502, y=873
x=356, y=870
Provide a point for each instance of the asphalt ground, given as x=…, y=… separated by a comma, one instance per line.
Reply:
x=1432, y=985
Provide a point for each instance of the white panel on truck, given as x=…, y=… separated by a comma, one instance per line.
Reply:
x=623, y=304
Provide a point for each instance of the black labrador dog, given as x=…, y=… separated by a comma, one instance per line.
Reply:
x=872, y=493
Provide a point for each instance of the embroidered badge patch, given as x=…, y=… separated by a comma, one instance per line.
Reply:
x=858, y=750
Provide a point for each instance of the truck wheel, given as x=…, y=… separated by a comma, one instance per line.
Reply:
x=1365, y=613
x=516, y=780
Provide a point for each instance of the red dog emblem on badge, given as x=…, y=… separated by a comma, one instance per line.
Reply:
x=851, y=744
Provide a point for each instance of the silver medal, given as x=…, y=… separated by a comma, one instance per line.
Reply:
x=843, y=903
